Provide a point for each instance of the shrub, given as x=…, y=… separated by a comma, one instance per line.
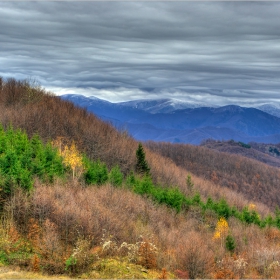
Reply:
x=145, y=186
x=195, y=257
x=96, y=173
x=230, y=243
x=223, y=209
x=116, y=176
x=147, y=255
x=131, y=180
x=22, y=159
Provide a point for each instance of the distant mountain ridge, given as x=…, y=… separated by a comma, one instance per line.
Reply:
x=168, y=120
x=272, y=109
x=161, y=105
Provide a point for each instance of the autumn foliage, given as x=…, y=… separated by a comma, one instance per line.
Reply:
x=186, y=217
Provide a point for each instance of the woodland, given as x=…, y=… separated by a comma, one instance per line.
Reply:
x=81, y=199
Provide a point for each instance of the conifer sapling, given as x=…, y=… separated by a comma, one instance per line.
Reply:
x=141, y=165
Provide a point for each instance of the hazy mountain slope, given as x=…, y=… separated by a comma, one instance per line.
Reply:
x=194, y=136
x=250, y=121
x=266, y=153
x=272, y=109
x=161, y=105
x=191, y=125
x=272, y=150
x=105, y=109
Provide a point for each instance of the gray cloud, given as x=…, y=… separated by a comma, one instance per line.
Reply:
x=220, y=52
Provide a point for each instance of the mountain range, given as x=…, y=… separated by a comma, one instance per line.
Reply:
x=178, y=121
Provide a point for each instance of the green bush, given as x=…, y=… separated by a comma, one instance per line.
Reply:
x=230, y=243
x=22, y=159
x=145, y=186
x=96, y=173
x=174, y=199
x=131, y=180
x=223, y=209
x=196, y=199
x=116, y=176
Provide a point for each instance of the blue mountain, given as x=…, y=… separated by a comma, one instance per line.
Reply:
x=161, y=120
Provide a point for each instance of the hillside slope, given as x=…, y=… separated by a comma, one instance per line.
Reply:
x=37, y=112
x=134, y=229
x=266, y=153
x=255, y=180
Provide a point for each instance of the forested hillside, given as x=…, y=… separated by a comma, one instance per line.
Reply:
x=255, y=180
x=266, y=153
x=80, y=198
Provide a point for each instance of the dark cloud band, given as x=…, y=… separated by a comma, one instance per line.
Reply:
x=221, y=51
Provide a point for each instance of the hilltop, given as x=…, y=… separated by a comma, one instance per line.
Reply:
x=74, y=201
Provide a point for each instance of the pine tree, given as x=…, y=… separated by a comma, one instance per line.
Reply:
x=230, y=243
x=141, y=165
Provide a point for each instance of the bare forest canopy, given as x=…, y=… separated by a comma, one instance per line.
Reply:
x=255, y=180
x=263, y=152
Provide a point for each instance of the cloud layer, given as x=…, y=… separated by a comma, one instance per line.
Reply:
x=219, y=52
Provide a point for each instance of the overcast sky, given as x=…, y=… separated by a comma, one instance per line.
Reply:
x=216, y=52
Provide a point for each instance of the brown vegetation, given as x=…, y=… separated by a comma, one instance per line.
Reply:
x=64, y=219
x=68, y=220
x=66, y=227
x=52, y=118
x=254, y=180
x=266, y=153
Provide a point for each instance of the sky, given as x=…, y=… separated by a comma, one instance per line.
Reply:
x=215, y=52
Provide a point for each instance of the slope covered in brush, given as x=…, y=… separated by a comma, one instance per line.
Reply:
x=101, y=220
x=255, y=180
x=266, y=153
x=22, y=160
x=36, y=111
x=67, y=221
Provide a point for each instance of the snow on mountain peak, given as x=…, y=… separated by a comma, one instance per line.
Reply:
x=162, y=105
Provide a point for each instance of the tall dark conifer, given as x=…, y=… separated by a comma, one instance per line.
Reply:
x=141, y=165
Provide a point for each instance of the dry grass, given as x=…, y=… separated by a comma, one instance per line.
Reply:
x=10, y=272
x=68, y=214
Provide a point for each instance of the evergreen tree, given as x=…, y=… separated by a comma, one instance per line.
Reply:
x=230, y=243
x=141, y=165
x=96, y=172
x=116, y=176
